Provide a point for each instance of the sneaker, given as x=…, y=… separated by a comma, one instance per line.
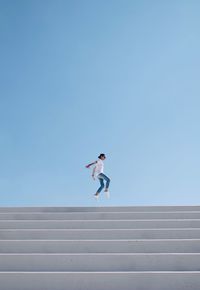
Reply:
x=96, y=196
x=107, y=193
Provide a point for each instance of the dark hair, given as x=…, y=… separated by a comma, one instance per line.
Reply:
x=101, y=155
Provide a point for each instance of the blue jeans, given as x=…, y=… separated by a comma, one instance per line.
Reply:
x=101, y=178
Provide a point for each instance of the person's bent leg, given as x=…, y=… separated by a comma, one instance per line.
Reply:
x=107, y=179
x=101, y=186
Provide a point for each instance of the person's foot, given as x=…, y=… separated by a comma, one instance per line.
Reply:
x=96, y=196
x=107, y=193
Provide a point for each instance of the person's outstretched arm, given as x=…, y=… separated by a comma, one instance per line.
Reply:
x=93, y=172
x=88, y=166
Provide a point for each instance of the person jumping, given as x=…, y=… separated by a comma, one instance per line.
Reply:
x=98, y=171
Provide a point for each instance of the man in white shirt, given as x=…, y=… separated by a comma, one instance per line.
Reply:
x=98, y=172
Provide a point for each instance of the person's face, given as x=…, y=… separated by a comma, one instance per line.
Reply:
x=104, y=157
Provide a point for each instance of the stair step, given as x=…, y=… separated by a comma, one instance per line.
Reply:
x=100, y=280
x=99, y=215
x=101, y=246
x=101, y=209
x=100, y=262
x=101, y=234
x=99, y=224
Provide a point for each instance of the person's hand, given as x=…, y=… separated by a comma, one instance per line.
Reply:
x=87, y=166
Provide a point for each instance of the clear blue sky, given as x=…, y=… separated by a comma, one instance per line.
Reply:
x=83, y=77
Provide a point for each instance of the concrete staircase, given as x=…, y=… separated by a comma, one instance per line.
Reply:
x=100, y=248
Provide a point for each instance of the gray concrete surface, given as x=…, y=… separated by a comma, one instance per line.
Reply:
x=100, y=248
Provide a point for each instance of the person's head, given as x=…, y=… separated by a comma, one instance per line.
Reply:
x=102, y=156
